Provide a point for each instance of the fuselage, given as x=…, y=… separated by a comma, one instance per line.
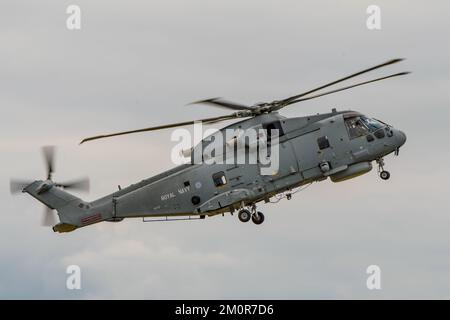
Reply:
x=339, y=145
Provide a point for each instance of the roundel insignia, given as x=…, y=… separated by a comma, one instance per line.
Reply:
x=198, y=185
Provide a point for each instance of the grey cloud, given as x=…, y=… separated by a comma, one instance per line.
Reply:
x=137, y=64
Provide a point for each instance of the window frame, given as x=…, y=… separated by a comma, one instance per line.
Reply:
x=363, y=125
x=323, y=142
x=219, y=183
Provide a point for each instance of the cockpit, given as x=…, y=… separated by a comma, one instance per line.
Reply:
x=360, y=125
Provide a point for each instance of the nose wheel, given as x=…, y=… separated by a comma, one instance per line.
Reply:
x=245, y=215
x=385, y=175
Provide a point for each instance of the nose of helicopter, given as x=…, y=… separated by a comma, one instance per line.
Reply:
x=401, y=138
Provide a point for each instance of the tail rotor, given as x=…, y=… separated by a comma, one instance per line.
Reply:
x=18, y=185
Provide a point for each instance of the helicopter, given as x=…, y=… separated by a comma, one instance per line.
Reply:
x=339, y=145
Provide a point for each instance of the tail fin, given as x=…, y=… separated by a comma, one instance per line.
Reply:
x=72, y=211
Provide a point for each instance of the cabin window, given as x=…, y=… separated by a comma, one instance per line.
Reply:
x=187, y=183
x=323, y=142
x=219, y=179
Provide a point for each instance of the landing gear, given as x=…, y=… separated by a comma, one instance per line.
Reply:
x=385, y=175
x=245, y=215
x=258, y=218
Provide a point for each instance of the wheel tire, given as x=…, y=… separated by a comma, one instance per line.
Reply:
x=258, y=219
x=244, y=215
x=385, y=175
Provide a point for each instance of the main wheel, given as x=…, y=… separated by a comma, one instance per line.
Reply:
x=258, y=218
x=244, y=215
x=385, y=175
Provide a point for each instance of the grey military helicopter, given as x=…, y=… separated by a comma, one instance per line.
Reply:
x=340, y=145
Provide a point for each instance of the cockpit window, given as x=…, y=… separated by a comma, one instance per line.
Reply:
x=356, y=127
x=361, y=126
x=372, y=124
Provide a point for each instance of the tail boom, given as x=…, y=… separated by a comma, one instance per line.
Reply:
x=73, y=212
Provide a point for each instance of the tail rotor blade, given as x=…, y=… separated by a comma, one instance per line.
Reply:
x=79, y=184
x=49, y=157
x=49, y=217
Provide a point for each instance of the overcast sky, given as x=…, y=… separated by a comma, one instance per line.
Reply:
x=136, y=63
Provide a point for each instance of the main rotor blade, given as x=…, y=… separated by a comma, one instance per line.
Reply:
x=16, y=186
x=280, y=104
x=49, y=156
x=173, y=125
x=82, y=184
x=219, y=102
x=348, y=87
x=48, y=217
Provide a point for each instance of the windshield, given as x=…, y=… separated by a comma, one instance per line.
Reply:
x=360, y=126
x=372, y=124
x=355, y=127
